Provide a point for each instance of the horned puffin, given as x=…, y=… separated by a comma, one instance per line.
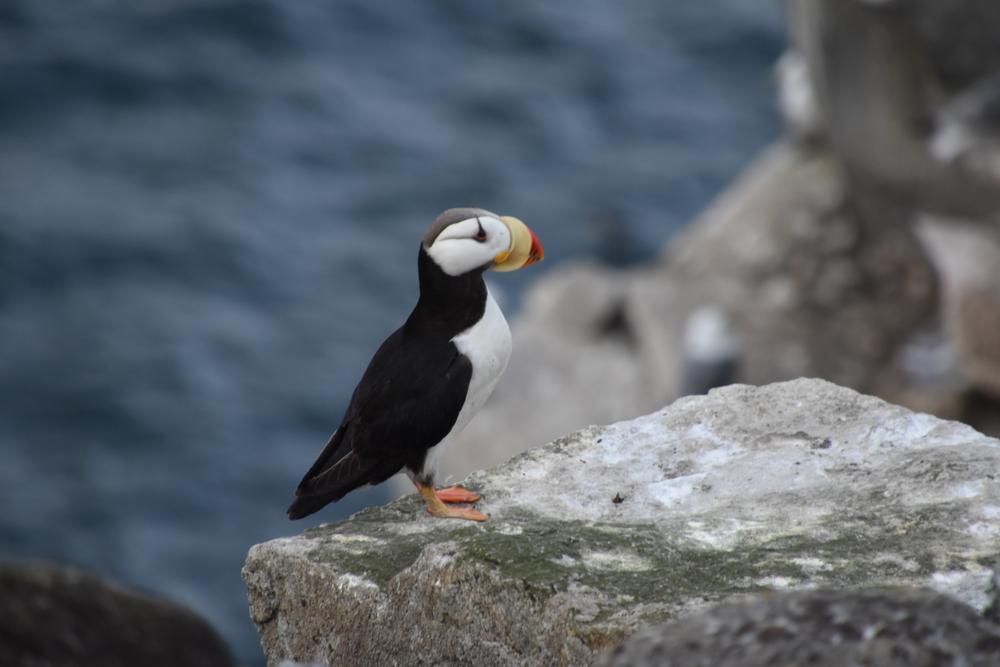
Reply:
x=434, y=373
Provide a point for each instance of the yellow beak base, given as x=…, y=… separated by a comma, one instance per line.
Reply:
x=524, y=248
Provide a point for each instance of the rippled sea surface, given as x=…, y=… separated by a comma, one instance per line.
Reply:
x=209, y=217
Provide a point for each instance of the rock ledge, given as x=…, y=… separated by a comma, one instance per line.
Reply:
x=791, y=485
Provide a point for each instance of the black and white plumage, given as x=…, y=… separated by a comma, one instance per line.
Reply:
x=431, y=376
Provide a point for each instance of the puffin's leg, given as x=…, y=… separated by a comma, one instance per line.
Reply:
x=458, y=494
x=436, y=507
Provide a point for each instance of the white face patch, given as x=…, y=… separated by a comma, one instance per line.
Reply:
x=469, y=244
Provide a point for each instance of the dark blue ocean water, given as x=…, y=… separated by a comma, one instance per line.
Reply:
x=209, y=217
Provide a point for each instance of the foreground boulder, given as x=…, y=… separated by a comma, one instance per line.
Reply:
x=615, y=528
x=821, y=629
x=58, y=616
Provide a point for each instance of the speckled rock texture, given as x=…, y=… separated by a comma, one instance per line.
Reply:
x=821, y=629
x=611, y=529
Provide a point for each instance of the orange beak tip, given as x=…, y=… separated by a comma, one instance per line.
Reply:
x=537, y=252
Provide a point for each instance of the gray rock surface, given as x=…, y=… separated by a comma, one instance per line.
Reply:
x=821, y=629
x=909, y=92
x=967, y=256
x=811, y=288
x=58, y=616
x=885, y=74
x=992, y=611
x=608, y=530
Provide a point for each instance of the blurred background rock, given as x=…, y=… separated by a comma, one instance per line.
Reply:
x=209, y=215
x=862, y=247
x=58, y=615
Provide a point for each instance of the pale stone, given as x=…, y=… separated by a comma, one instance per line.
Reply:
x=595, y=535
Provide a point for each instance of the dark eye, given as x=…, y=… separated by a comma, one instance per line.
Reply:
x=481, y=234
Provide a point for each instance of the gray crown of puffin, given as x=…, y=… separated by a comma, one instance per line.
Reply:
x=465, y=239
x=431, y=375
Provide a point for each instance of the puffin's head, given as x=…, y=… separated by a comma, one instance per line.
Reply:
x=469, y=239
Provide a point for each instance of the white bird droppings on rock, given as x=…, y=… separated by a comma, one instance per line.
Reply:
x=617, y=561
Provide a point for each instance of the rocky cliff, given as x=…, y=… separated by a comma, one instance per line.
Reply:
x=608, y=530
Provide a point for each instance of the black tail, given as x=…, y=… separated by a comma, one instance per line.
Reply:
x=336, y=472
x=306, y=505
x=330, y=485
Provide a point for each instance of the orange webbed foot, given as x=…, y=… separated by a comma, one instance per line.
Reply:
x=458, y=494
x=436, y=504
x=458, y=512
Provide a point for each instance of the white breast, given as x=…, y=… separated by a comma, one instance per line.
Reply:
x=487, y=345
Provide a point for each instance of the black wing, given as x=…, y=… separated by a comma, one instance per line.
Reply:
x=407, y=402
